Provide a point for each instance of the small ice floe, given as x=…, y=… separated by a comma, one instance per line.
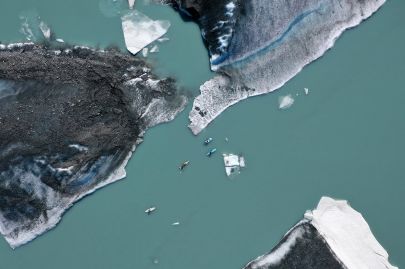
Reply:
x=163, y=39
x=150, y=210
x=233, y=163
x=176, y=223
x=154, y=49
x=145, y=52
x=184, y=165
x=285, y=101
x=60, y=40
x=211, y=152
x=131, y=3
x=208, y=140
x=140, y=30
x=226, y=139
x=45, y=29
x=306, y=91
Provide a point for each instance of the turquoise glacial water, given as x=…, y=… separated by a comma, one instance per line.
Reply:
x=346, y=139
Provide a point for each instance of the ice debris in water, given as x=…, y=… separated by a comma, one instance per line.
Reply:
x=60, y=40
x=285, y=101
x=306, y=91
x=140, y=30
x=32, y=27
x=233, y=163
x=154, y=49
x=163, y=39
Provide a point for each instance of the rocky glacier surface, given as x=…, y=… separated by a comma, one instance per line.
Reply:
x=70, y=119
x=333, y=236
x=256, y=46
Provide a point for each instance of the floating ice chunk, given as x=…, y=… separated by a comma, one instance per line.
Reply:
x=176, y=223
x=46, y=31
x=131, y=3
x=140, y=30
x=154, y=49
x=150, y=210
x=285, y=101
x=163, y=39
x=306, y=91
x=60, y=40
x=145, y=52
x=233, y=163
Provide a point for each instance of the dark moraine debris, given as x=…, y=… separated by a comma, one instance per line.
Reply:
x=70, y=118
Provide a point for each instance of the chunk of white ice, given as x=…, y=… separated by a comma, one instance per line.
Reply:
x=145, y=52
x=306, y=90
x=60, y=40
x=285, y=101
x=163, y=39
x=140, y=30
x=233, y=163
x=131, y=3
x=154, y=49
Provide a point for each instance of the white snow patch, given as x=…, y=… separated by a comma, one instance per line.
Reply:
x=140, y=30
x=348, y=235
x=78, y=147
x=285, y=101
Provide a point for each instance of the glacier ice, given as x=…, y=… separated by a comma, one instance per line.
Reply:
x=257, y=46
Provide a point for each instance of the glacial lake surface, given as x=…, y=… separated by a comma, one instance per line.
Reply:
x=345, y=139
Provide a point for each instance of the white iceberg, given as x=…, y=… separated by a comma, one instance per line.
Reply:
x=233, y=163
x=285, y=101
x=140, y=30
x=131, y=3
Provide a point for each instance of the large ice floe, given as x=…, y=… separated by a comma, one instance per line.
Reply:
x=71, y=117
x=257, y=46
x=140, y=30
x=333, y=236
